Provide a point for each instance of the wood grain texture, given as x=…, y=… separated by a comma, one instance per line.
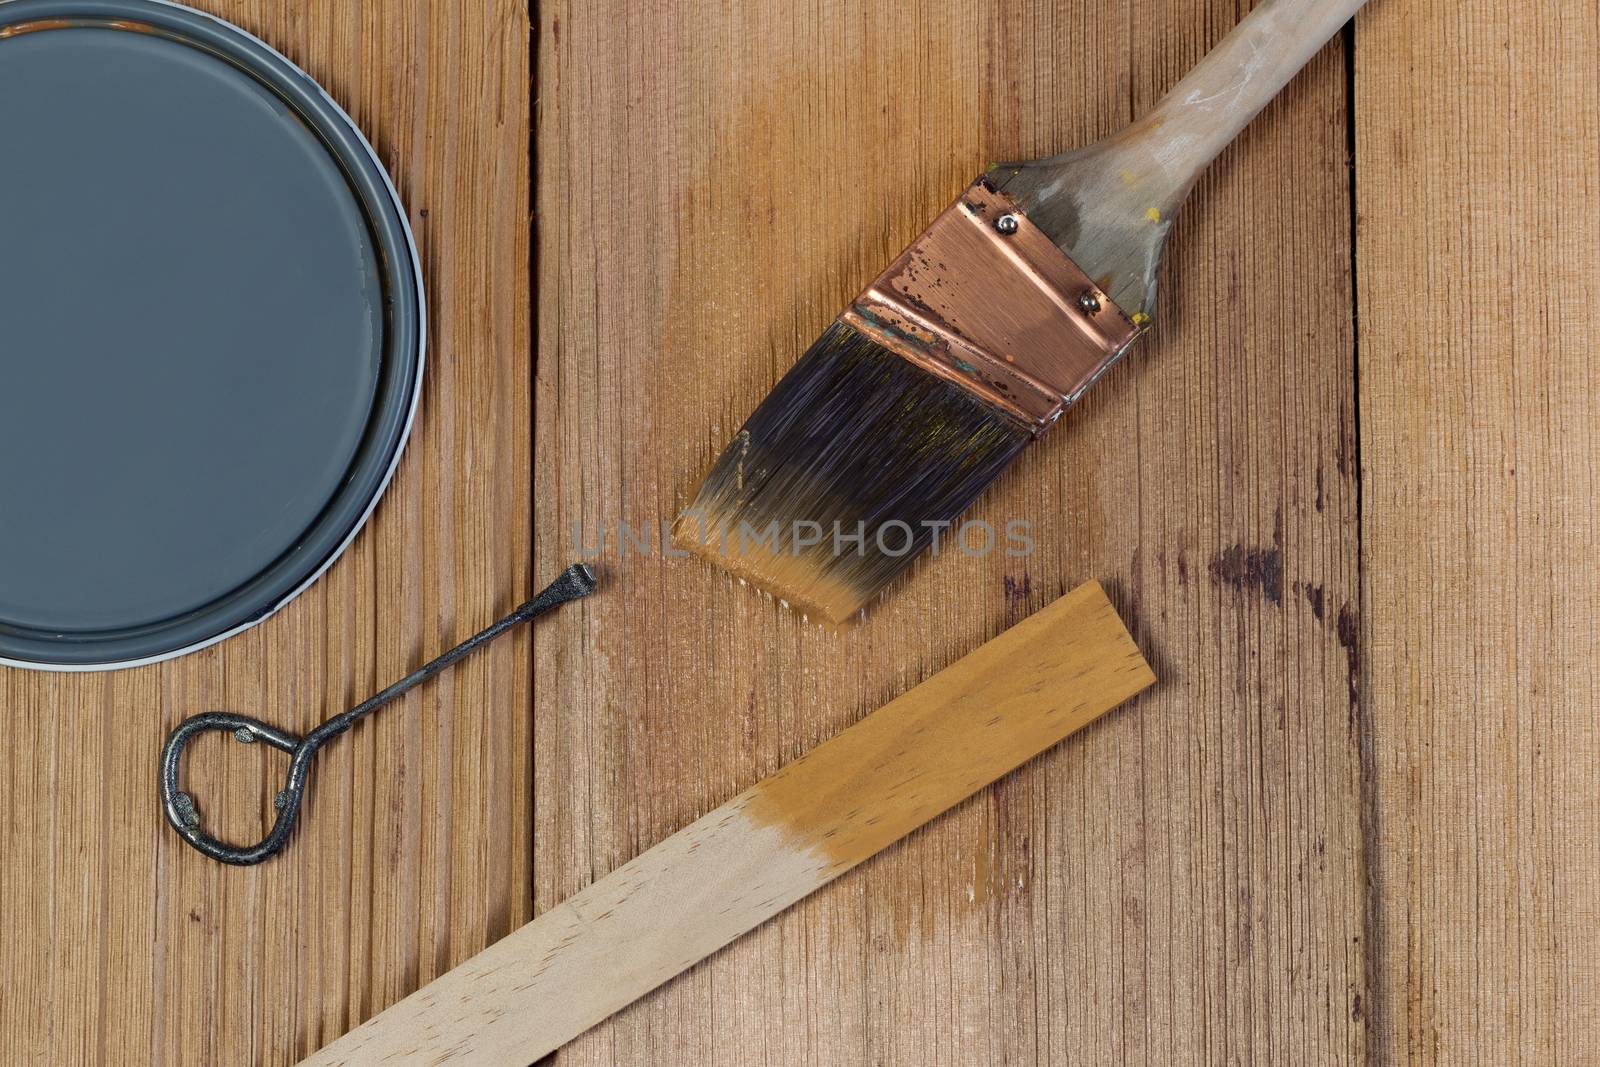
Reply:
x=120, y=944
x=1180, y=884
x=1479, y=249
x=857, y=793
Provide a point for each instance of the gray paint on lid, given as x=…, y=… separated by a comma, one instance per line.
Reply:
x=198, y=330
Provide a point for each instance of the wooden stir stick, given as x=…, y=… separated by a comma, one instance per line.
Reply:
x=722, y=876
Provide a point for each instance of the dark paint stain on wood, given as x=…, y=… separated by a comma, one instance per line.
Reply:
x=1251, y=568
x=1316, y=597
x=1017, y=592
x=1348, y=628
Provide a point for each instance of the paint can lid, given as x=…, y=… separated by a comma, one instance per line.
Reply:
x=211, y=331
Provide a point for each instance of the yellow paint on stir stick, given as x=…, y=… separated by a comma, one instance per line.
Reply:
x=743, y=863
x=956, y=732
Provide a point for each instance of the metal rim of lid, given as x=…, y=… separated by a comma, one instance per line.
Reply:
x=405, y=351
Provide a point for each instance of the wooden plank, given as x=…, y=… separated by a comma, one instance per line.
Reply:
x=783, y=838
x=1479, y=242
x=124, y=946
x=1183, y=884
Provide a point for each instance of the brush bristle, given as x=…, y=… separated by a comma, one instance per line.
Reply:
x=853, y=439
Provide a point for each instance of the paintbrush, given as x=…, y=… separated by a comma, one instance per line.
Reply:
x=976, y=339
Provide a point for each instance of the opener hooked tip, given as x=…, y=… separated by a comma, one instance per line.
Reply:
x=574, y=583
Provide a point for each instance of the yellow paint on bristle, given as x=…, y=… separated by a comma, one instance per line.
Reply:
x=795, y=581
x=1141, y=319
x=1153, y=215
x=1128, y=177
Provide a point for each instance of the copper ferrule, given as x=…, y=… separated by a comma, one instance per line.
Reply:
x=984, y=299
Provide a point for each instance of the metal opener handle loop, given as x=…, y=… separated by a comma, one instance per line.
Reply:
x=180, y=807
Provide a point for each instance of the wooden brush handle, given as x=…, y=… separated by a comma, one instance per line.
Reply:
x=1171, y=146
x=1109, y=205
